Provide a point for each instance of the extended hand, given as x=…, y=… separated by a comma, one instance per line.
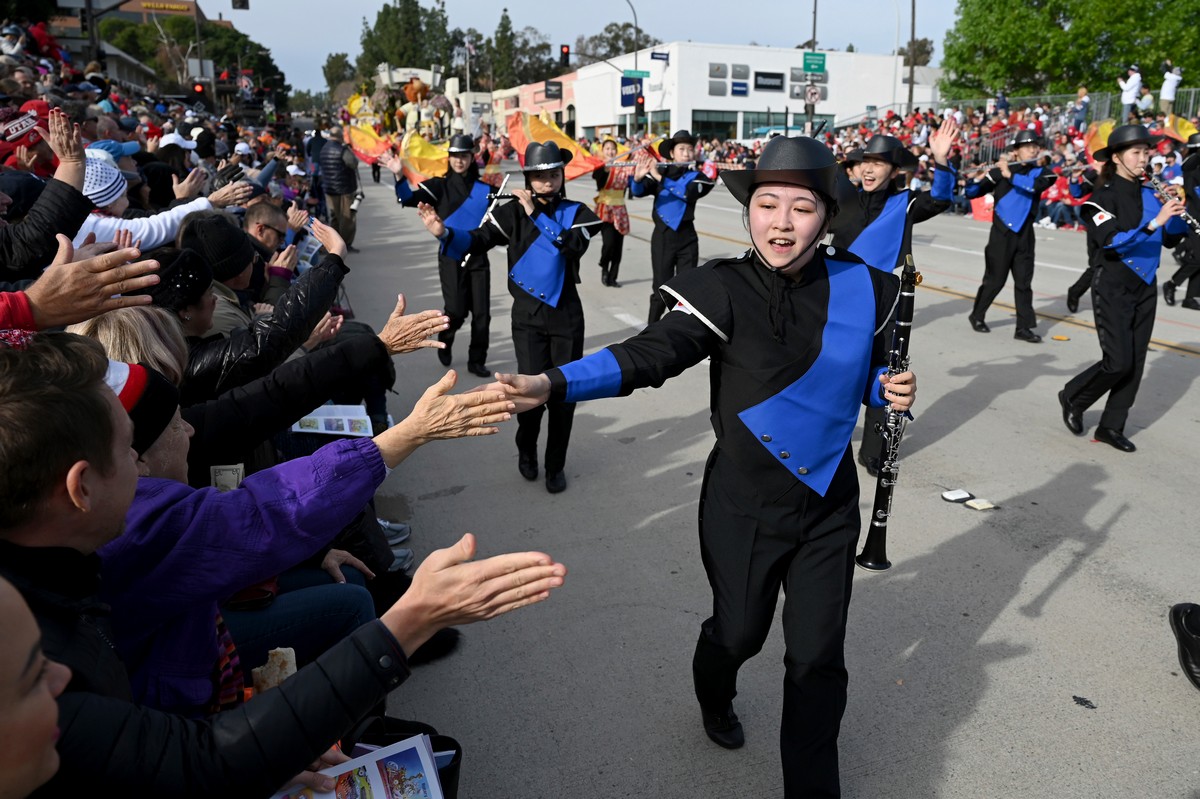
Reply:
x=408, y=333
x=72, y=292
x=943, y=139
x=433, y=223
x=526, y=391
x=330, y=239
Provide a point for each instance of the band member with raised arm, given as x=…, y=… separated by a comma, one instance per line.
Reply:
x=674, y=246
x=797, y=337
x=1016, y=188
x=876, y=218
x=546, y=235
x=1128, y=225
x=460, y=198
x=611, y=185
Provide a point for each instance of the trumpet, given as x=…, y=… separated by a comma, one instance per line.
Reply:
x=1165, y=195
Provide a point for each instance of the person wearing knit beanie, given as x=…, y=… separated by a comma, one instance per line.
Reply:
x=105, y=186
x=151, y=401
x=224, y=246
x=184, y=288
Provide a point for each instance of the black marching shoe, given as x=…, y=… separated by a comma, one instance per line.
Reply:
x=349, y=248
x=978, y=325
x=871, y=464
x=556, y=482
x=1072, y=416
x=1191, y=303
x=527, y=465
x=1169, y=293
x=1025, y=334
x=1114, y=438
x=1189, y=642
x=724, y=729
x=1073, y=301
x=444, y=355
x=478, y=369
x=612, y=283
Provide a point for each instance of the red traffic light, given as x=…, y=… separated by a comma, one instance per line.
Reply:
x=564, y=55
x=198, y=88
x=641, y=100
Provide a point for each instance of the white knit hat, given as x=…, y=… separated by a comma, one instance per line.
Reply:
x=102, y=184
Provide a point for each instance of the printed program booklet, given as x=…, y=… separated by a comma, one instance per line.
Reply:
x=336, y=420
x=404, y=770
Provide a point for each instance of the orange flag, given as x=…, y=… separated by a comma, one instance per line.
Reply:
x=367, y=144
x=1097, y=136
x=1178, y=128
x=422, y=160
x=524, y=130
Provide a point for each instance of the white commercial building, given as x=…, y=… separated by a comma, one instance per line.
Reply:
x=734, y=91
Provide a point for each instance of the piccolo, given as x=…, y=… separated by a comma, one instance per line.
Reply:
x=1165, y=196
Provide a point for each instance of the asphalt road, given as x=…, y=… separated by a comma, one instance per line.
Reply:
x=1022, y=651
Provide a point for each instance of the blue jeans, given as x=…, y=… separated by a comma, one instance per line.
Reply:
x=309, y=614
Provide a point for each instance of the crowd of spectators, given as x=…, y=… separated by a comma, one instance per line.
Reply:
x=157, y=515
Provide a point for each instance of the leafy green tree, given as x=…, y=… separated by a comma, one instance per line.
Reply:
x=439, y=49
x=337, y=69
x=396, y=38
x=504, y=54
x=535, y=61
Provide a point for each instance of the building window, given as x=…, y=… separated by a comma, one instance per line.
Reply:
x=755, y=124
x=714, y=124
x=660, y=122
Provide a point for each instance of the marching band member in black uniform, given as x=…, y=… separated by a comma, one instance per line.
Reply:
x=796, y=337
x=1080, y=187
x=1189, y=267
x=1017, y=188
x=674, y=246
x=1128, y=226
x=460, y=198
x=875, y=222
x=546, y=235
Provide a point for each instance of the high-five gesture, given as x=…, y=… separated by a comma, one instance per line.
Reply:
x=942, y=140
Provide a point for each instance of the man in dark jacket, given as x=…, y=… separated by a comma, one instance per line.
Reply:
x=339, y=179
x=54, y=517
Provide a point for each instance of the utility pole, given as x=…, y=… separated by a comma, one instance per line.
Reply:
x=912, y=60
x=811, y=108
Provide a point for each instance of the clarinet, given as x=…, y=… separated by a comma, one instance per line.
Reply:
x=874, y=554
x=1164, y=196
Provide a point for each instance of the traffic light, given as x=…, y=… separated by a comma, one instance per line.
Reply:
x=639, y=108
x=197, y=91
x=564, y=55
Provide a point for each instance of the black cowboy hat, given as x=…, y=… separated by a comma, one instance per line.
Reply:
x=851, y=158
x=461, y=143
x=1123, y=138
x=540, y=157
x=799, y=160
x=679, y=137
x=1193, y=141
x=885, y=148
x=1026, y=136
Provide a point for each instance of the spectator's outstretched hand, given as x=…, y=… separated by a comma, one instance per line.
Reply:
x=311, y=778
x=189, y=187
x=65, y=140
x=408, y=333
x=325, y=329
x=90, y=248
x=297, y=219
x=449, y=589
x=231, y=194
x=70, y=292
x=330, y=239
x=526, y=391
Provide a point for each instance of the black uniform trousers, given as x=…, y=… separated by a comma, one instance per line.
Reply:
x=467, y=290
x=1189, y=267
x=610, y=252
x=545, y=337
x=1008, y=252
x=671, y=252
x=1124, y=308
x=749, y=551
x=1081, y=286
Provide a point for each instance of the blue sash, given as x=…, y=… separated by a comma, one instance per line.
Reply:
x=1013, y=208
x=542, y=268
x=670, y=206
x=806, y=426
x=469, y=215
x=879, y=243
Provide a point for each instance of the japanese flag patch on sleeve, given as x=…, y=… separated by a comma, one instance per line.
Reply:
x=1101, y=217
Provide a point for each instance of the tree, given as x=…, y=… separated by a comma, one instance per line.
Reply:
x=463, y=43
x=617, y=38
x=305, y=100
x=1055, y=47
x=850, y=48
x=807, y=44
x=922, y=51
x=504, y=54
x=439, y=49
x=337, y=69
x=535, y=58
x=396, y=38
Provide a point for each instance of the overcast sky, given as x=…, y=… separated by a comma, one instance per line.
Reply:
x=301, y=33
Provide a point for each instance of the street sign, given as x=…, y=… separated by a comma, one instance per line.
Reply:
x=635, y=73
x=800, y=91
x=814, y=62
x=740, y=89
x=660, y=57
x=554, y=90
x=812, y=94
x=629, y=91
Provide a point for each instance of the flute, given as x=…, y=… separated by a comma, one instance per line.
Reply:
x=614, y=165
x=1165, y=196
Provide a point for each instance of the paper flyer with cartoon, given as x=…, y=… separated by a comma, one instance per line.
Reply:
x=404, y=770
